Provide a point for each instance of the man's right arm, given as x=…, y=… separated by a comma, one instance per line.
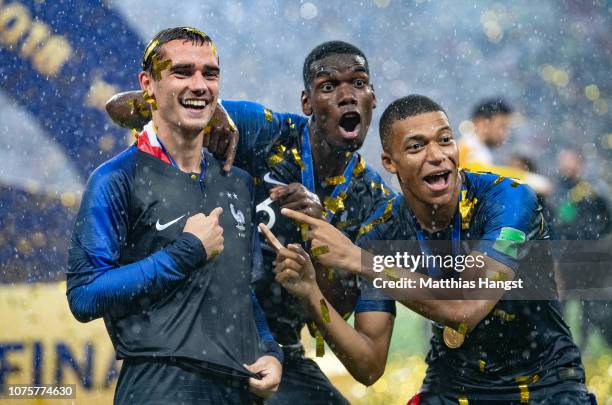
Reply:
x=363, y=350
x=258, y=127
x=97, y=284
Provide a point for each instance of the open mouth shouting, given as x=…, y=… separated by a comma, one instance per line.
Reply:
x=438, y=181
x=349, y=124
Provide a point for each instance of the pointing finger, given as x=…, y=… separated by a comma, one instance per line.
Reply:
x=299, y=217
x=270, y=237
x=217, y=211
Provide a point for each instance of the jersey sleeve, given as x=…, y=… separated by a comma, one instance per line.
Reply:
x=382, y=193
x=271, y=347
x=97, y=283
x=372, y=299
x=511, y=217
x=258, y=128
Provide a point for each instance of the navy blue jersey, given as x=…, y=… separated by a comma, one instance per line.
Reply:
x=521, y=346
x=270, y=148
x=130, y=263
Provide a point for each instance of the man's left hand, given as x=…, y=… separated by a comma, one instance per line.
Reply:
x=221, y=137
x=330, y=247
x=298, y=198
x=270, y=370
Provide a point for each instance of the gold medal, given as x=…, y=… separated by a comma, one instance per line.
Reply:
x=452, y=338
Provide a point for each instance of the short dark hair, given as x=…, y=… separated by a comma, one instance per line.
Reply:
x=403, y=108
x=491, y=107
x=326, y=49
x=153, y=49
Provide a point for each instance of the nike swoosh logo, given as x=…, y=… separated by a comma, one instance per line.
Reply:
x=161, y=227
x=268, y=179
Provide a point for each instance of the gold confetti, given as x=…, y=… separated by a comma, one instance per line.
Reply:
x=374, y=186
x=334, y=204
x=325, y=311
x=365, y=229
x=524, y=393
x=298, y=158
x=498, y=180
x=359, y=167
x=159, y=67
x=385, y=216
x=320, y=345
x=498, y=276
x=304, y=231
x=149, y=100
x=330, y=273
x=332, y=181
x=150, y=48
x=342, y=225
x=196, y=31
x=390, y=273
x=481, y=365
x=274, y=159
x=268, y=114
x=523, y=382
x=466, y=209
x=141, y=109
x=500, y=313
x=319, y=250
x=463, y=401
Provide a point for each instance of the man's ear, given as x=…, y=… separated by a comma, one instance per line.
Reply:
x=306, y=106
x=388, y=163
x=145, y=80
x=373, y=96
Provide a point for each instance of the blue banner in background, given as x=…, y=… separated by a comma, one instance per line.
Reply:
x=59, y=61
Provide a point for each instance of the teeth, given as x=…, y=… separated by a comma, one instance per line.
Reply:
x=194, y=103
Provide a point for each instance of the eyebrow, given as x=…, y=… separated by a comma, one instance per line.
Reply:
x=328, y=71
x=183, y=66
x=422, y=137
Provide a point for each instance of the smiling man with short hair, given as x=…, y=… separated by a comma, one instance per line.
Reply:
x=148, y=249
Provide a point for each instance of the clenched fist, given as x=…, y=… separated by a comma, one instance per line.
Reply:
x=207, y=229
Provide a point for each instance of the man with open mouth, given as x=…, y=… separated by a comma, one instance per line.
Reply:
x=163, y=246
x=484, y=349
x=310, y=166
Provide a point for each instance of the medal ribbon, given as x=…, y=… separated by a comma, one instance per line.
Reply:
x=308, y=178
x=455, y=238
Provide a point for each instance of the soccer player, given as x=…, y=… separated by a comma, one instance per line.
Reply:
x=491, y=119
x=311, y=166
x=163, y=247
x=483, y=348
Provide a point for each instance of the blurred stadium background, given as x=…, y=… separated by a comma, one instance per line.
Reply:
x=61, y=60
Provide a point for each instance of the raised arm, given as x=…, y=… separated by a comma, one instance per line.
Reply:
x=433, y=303
x=363, y=349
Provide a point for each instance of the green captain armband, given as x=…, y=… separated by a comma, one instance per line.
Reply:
x=508, y=241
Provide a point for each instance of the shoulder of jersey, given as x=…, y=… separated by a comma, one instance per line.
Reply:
x=382, y=217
